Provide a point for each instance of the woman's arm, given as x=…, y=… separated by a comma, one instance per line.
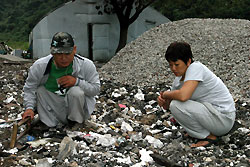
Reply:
x=182, y=94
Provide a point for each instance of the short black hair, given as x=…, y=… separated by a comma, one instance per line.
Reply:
x=179, y=50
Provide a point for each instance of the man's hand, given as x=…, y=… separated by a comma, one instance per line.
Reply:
x=67, y=81
x=28, y=113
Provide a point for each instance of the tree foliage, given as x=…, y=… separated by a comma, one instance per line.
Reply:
x=18, y=18
x=181, y=9
x=127, y=12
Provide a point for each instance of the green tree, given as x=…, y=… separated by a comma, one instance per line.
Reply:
x=180, y=9
x=125, y=14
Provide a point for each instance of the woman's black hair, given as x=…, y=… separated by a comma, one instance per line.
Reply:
x=179, y=50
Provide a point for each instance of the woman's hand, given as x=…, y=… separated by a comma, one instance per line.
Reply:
x=162, y=102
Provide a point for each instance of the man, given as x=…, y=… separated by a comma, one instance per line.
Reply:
x=62, y=85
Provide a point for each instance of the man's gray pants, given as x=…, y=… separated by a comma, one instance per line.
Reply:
x=54, y=109
x=201, y=119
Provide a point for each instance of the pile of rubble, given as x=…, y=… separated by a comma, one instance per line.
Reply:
x=127, y=128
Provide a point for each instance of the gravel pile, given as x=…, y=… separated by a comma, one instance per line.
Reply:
x=221, y=44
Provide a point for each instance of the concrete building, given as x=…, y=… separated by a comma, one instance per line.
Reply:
x=96, y=36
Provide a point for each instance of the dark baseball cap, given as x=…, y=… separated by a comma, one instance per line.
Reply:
x=62, y=42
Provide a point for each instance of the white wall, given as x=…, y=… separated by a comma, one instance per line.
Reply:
x=74, y=17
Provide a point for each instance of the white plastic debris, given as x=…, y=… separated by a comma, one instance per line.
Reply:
x=244, y=130
x=106, y=140
x=123, y=91
x=2, y=121
x=244, y=104
x=136, y=136
x=4, y=125
x=125, y=110
x=145, y=155
x=11, y=151
x=124, y=160
x=116, y=93
x=201, y=148
x=167, y=134
x=155, y=131
x=125, y=127
x=148, y=107
x=139, y=95
x=152, y=102
x=119, y=121
x=135, y=112
x=9, y=99
x=155, y=142
x=24, y=162
x=45, y=162
x=145, y=158
x=39, y=142
x=75, y=133
x=207, y=159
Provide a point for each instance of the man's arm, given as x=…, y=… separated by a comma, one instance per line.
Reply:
x=91, y=83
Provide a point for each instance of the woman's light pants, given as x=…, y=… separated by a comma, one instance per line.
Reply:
x=201, y=119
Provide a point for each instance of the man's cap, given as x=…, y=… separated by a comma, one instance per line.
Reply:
x=62, y=42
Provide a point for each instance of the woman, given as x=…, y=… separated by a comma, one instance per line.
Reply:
x=198, y=100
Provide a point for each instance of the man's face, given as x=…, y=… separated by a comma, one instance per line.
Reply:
x=64, y=60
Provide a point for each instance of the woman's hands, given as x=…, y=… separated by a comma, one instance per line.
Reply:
x=163, y=102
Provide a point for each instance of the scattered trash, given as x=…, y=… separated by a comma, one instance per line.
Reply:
x=9, y=99
x=44, y=162
x=125, y=127
x=244, y=130
x=139, y=95
x=106, y=140
x=244, y=104
x=122, y=106
x=66, y=148
x=155, y=142
x=12, y=151
x=131, y=124
x=30, y=138
x=136, y=137
x=39, y=142
x=5, y=125
x=145, y=155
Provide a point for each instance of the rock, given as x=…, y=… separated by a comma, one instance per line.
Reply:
x=67, y=148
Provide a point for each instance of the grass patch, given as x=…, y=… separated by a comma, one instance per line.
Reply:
x=18, y=45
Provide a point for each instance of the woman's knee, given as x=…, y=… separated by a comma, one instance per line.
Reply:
x=173, y=105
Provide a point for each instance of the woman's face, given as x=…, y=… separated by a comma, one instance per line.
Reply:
x=179, y=68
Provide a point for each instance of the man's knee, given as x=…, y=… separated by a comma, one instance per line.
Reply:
x=75, y=91
x=40, y=89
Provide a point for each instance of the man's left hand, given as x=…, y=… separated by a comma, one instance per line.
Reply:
x=67, y=81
